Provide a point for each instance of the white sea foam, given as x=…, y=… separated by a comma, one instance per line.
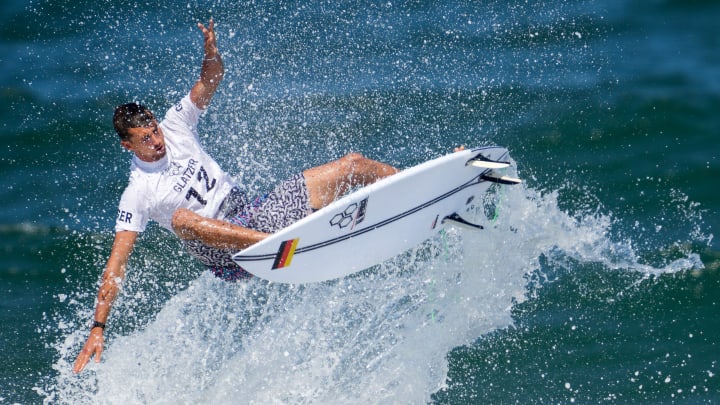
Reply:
x=378, y=337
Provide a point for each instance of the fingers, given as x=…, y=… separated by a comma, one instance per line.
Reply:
x=81, y=362
x=83, y=359
x=210, y=29
x=94, y=345
x=209, y=34
x=98, y=353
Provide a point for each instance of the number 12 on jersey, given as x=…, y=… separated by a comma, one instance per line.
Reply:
x=209, y=185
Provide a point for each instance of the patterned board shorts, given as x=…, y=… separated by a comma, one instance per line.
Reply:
x=286, y=204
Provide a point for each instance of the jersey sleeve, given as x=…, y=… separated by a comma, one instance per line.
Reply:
x=133, y=211
x=183, y=117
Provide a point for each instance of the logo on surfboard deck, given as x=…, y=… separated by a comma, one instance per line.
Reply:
x=353, y=214
x=285, y=254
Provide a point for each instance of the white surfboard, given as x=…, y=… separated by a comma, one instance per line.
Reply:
x=380, y=221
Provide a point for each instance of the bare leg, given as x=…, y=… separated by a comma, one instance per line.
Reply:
x=327, y=182
x=213, y=232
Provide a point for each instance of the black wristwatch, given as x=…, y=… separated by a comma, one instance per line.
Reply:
x=97, y=324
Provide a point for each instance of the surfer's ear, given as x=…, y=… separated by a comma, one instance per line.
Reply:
x=125, y=143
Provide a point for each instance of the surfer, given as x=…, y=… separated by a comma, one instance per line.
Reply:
x=174, y=182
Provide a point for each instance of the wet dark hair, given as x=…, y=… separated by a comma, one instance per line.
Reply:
x=130, y=115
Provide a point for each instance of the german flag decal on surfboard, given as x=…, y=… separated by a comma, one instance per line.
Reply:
x=285, y=253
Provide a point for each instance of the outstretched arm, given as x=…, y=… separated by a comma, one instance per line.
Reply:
x=212, y=69
x=109, y=288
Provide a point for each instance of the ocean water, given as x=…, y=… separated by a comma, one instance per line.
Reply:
x=596, y=281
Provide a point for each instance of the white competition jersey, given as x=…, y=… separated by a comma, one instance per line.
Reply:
x=187, y=177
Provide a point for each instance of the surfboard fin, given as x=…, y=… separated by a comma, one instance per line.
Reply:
x=485, y=163
x=458, y=220
x=497, y=178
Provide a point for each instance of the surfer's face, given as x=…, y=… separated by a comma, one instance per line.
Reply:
x=148, y=142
